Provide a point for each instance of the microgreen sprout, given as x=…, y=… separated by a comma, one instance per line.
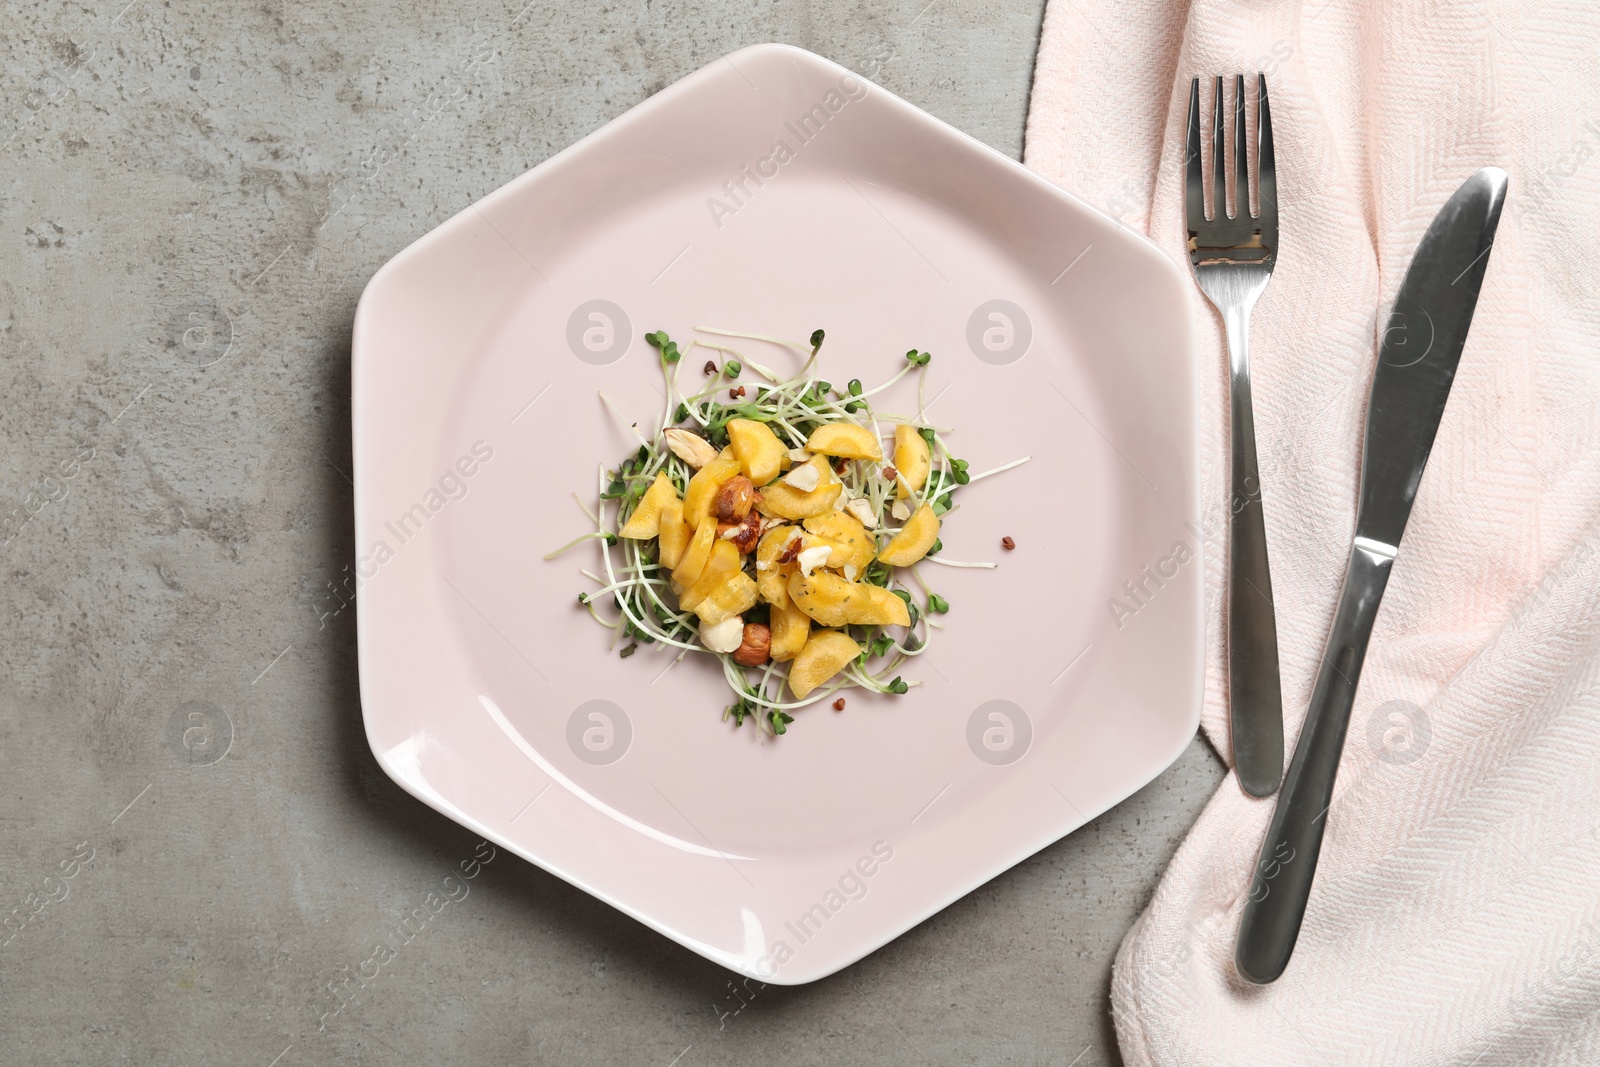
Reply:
x=733, y=368
x=667, y=346
x=937, y=605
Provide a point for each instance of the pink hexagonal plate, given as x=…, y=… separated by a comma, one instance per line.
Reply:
x=774, y=192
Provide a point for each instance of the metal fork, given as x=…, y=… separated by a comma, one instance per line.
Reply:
x=1233, y=257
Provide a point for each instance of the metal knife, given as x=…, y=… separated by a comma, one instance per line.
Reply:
x=1416, y=365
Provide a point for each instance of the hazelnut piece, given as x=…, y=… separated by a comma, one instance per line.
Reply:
x=752, y=651
x=734, y=499
x=744, y=535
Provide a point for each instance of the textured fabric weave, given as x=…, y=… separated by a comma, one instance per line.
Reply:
x=1456, y=913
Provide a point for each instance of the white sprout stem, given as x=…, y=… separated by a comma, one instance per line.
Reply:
x=622, y=604
x=907, y=369
x=736, y=680
x=955, y=563
x=755, y=337
x=630, y=427
x=666, y=406
x=576, y=541
x=999, y=469
x=610, y=624
x=894, y=419
x=734, y=352
x=679, y=618
x=769, y=375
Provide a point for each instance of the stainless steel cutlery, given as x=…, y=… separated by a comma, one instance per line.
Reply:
x=1416, y=364
x=1233, y=256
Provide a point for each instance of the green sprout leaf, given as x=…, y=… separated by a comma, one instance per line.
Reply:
x=667, y=347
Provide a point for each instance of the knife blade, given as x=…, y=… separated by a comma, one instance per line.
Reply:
x=1417, y=361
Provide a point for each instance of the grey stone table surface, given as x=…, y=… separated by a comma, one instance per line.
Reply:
x=197, y=848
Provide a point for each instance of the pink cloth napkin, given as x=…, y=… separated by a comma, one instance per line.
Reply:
x=1456, y=913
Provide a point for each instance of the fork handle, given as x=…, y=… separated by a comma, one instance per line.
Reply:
x=1255, y=699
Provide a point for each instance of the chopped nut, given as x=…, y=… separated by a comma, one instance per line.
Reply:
x=838, y=705
x=798, y=456
x=901, y=510
x=724, y=636
x=734, y=499
x=813, y=557
x=850, y=572
x=804, y=478
x=890, y=474
x=690, y=447
x=840, y=464
x=792, y=549
x=861, y=509
x=753, y=648
x=745, y=535
x=1007, y=543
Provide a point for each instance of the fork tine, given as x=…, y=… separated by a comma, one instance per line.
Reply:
x=1241, y=155
x=1219, y=168
x=1194, y=191
x=1266, y=170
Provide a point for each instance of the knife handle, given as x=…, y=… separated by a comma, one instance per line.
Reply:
x=1281, y=882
